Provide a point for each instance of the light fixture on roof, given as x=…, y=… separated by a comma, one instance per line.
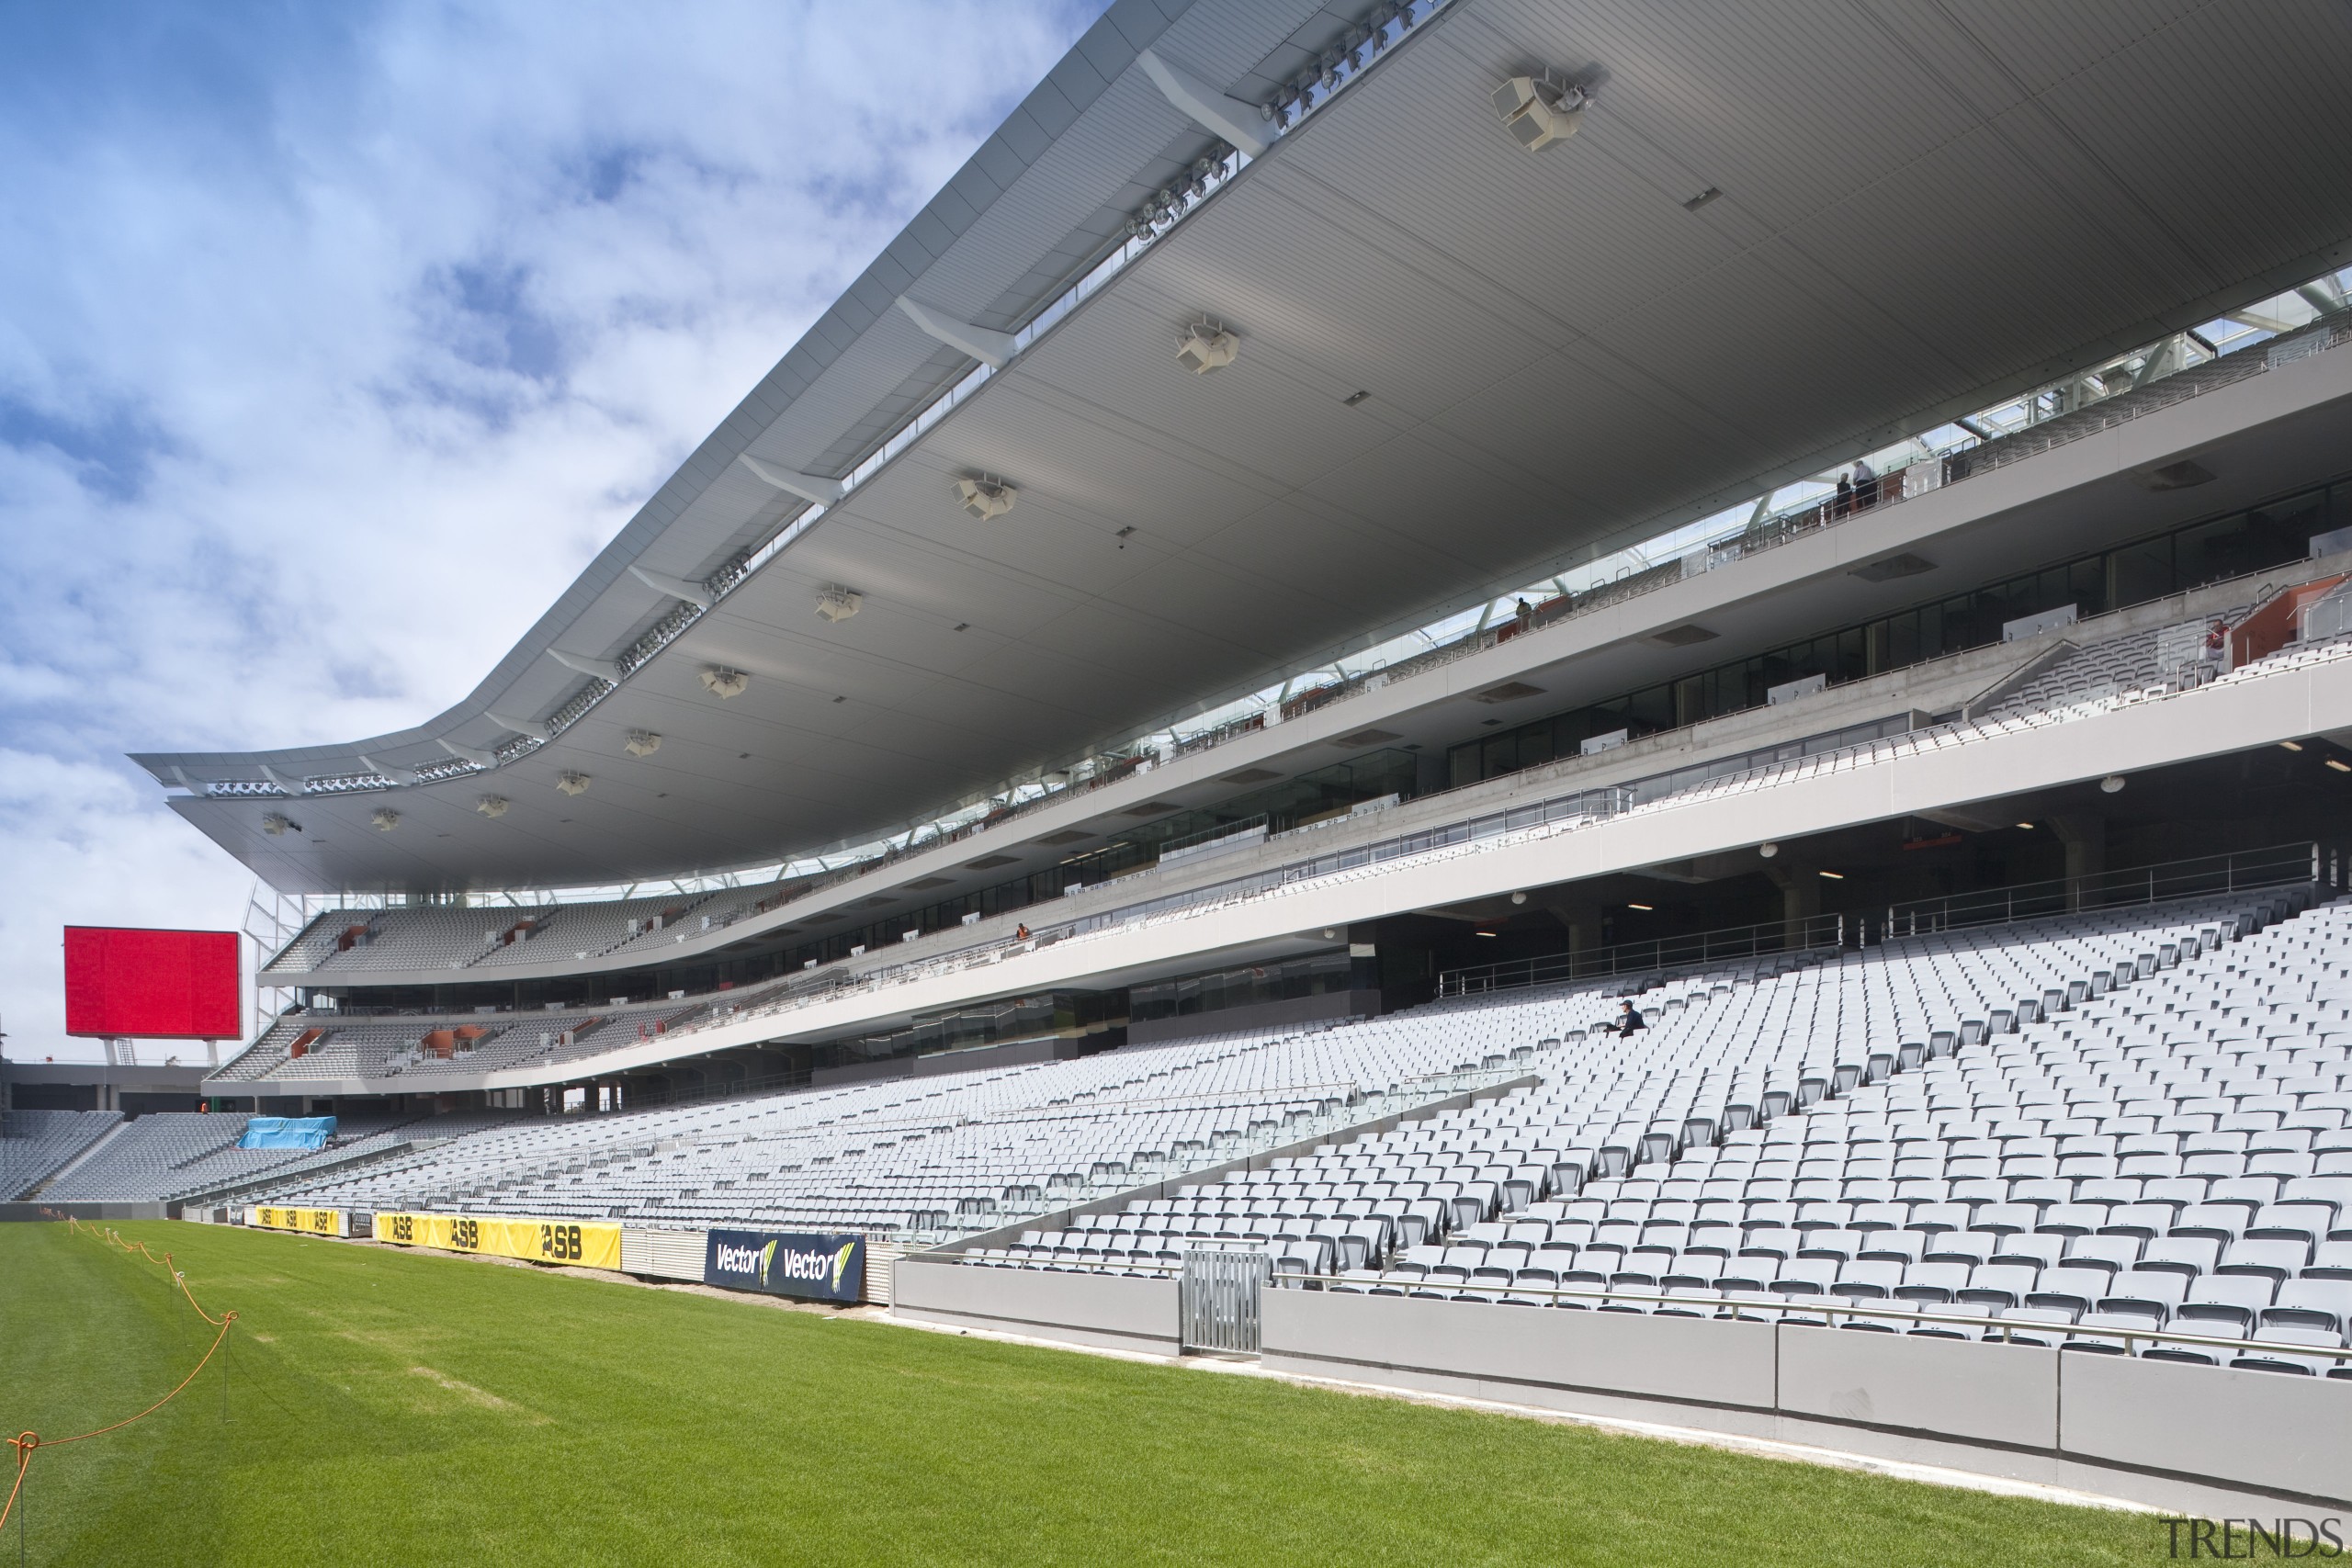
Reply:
x=571, y=784
x=1834, y=875
x=1519, y=898
x=491, y=805
x=2026, y=826
x=2291, y=745
x=722, y=682
x=1540, y=109
x=837, y=603
x=641, y=743
x=1768, y=850
x=1644, y=909
x=986, y=496
x=384, y=818
x=2111, y=784
x=275, y=824
x=398, y=775
x=531, y=728
x=1207, y=345
x=2340, y=766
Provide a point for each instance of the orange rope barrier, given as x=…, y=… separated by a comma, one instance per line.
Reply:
x=24, y=1443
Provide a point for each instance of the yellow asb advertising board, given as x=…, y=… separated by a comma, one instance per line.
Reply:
x=309, y=1222
x=587, y=1243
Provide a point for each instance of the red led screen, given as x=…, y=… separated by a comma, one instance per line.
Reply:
x=150, y=985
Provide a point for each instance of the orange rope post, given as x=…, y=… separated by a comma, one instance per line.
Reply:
x=24, y=1443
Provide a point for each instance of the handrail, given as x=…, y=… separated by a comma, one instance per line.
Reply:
x=2244, y=871
x=1783, y=1306
x=1780, y=529
x=1806, y=934
x=1211, y=834
x=764, y=999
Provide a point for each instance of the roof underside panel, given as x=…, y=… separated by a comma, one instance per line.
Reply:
x=1918, y=206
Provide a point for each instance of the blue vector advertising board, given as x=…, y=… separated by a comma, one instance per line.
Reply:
x=787, y=1263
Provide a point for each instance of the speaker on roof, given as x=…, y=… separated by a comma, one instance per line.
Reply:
x=1207, y=345
x=986, y=496
x=1540, y=110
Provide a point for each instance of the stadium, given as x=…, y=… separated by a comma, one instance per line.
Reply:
x=1607, y=745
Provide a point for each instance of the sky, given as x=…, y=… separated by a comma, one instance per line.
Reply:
x=334, y=339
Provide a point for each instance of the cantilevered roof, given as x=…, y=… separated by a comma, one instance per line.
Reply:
x=1915, y=210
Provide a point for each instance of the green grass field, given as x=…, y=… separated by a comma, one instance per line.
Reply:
x=389, y=1407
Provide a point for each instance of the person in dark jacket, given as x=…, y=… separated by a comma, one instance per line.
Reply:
x=1629, y=1019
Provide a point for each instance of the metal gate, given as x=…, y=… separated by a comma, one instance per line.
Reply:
x=1219, y=1299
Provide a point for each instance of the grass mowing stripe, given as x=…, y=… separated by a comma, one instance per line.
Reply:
x=406, y=1408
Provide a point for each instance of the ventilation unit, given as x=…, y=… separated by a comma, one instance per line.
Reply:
x=491, y=805
x=722, y=682
x=385, y=820
x=1539, y=110
x=1207, y=345
x=641, y=743
x=838, y=604
x=571, y=784
x=274, y=825
x=985, y=496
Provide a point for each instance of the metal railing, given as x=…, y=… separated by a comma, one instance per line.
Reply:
x=1802, y=1311
x=1219, y=1297
x=1829, y=1308
x=1780, y=529
x=796, y=991
x=2282, y=866
x=1211, y=834
x=2247, y=871
x=1810, y=934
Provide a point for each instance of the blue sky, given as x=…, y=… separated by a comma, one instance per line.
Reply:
x=334, y=339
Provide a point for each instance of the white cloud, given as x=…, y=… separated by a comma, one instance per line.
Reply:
x=328, y=357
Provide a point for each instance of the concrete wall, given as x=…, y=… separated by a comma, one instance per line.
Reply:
x=1687, y=1359
x=1112, y=1310
x=2105, y=1423
x=2285, y=1434
x=2194, y=1439
x=1959, y=1388
x=39, y=1210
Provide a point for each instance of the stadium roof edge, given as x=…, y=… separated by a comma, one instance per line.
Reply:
x=1049, y=111
x=1664, y=404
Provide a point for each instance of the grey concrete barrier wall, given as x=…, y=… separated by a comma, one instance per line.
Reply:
x=39, y=1210
x=1096, y=1309
x=1697, y=1360
x=1959, y=1388
x=2203, y=1439
x=2265, y=1429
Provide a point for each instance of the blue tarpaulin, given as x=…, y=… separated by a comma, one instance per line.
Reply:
x=287, y=1133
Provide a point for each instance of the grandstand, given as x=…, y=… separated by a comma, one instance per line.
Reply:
x=1152, y=853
